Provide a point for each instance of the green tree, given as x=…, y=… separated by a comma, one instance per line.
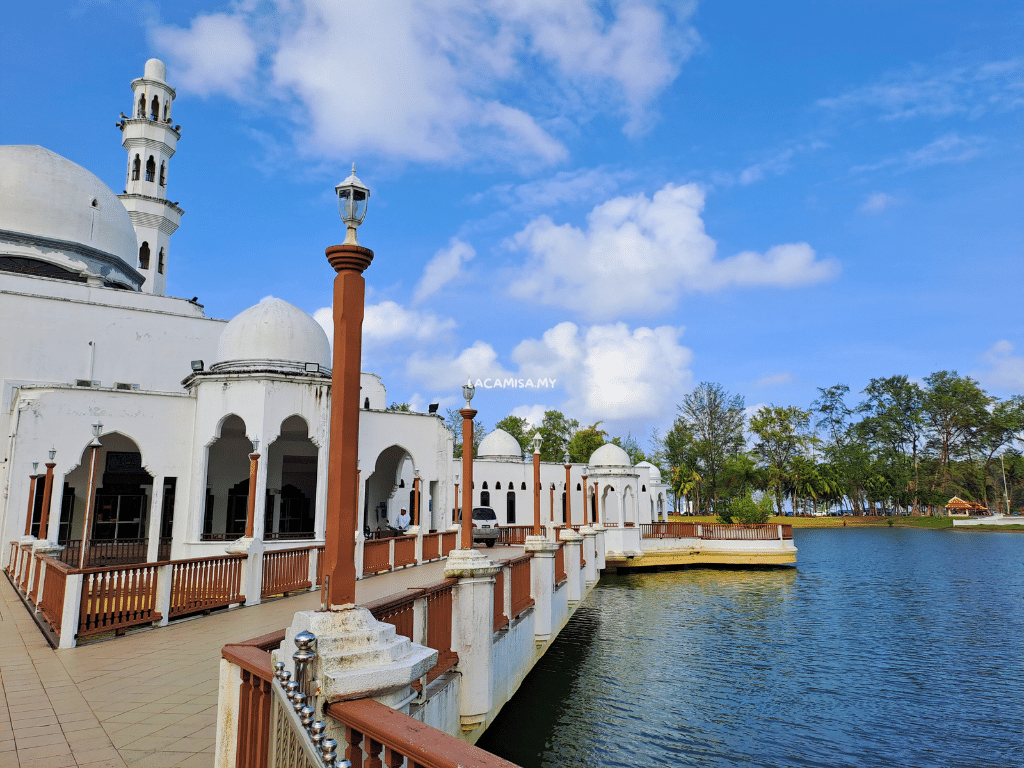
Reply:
x=556, y=431
x=746, y=511
x=586, y=440
x=894, y=425
x=520, y=429
x=453, y=422
x=783, y=434
x=403, y=407
x=954, y=406
x=632, y=448
x=715, y=419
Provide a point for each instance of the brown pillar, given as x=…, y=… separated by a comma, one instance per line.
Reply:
x=250, y=518
x=416, y=501
x=90, y=504
x=536, y=493
x=349, y=261
x=31, y=502
x=455, y=506
x=597, y=503
x=552, y=505
x=568, y=497
x=44, y=517
x=586, y=503
x=467, y=477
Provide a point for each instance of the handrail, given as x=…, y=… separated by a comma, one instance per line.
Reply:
x=401, y=736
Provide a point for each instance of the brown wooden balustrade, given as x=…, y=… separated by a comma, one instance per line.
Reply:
x=405, y=551
x=284, y=571
x=514, y=534
x=560, y=528
x=106, y=553
x=787, y=532
x=377, y=735
x=395, y=610
x=449, y=541
x=519, y=579
x=560, y=574
x=500, y=619
x=25, y=568
x=718, y=532
x=254, y=697
x=668, y=531
x=34, y=597
x=54, y=584
x=117, y=598
x=376, y=556
x=201, y=585
x=432, y=546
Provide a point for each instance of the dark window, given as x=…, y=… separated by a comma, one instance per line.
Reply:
x=497, y=486
x=563, y=509
x=142, y=106
x=366, y=404
x=136, y=168
x=155, y=109
x=167, y=109
x=485, y=498
x=523, y=488
x=484, y=486
x=163, y=174
x=579, y=487
x=144, y=256
x=160, y=265
x=151, y=169
x=511, y=506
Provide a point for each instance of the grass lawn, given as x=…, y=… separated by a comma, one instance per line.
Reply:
x=850, y=522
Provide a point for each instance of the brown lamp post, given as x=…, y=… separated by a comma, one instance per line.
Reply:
x=31, y=497
x=254, y=463
x=537, y=441
x=44, y=517
x=90, y=501
x=597, y=504
x=467, y=414
x=455, y=506
x=416, y=497
x=349, y=260
x=551, y=503
x=568, y=491
x=586, y=501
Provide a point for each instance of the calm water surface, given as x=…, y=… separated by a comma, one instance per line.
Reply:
x=882, y=648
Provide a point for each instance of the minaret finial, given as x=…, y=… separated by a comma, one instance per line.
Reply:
x=353, y=169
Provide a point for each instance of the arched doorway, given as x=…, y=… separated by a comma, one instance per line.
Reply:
x=381, y=502
x=610, y=506
x=227, y=482
x=628, y=506
x=291, y=483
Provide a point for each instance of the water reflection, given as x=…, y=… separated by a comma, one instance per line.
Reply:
x=885, y=648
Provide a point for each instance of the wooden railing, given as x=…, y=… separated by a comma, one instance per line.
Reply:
x=449, y=541
x=560, y=574
x=54, y=585
x=500, y=619
x=25, y=567
x=398, y=611
x=787, y=532
x=519, y=577
x=668, y=530
x=254, y=697
x=105, y=553
x=432, y=546
x=204, y=584
x=284, y=571
x=405, y=551
x=376, y=556
x=38, y=566
x=378, y=735
x=514, y=534
x=320, y=564
x=117, y=598
x=288, y=536
x=717, y=531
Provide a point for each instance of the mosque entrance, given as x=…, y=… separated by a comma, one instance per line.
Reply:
x=381, y=500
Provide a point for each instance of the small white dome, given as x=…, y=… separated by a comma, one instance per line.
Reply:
x=499, y=445
x=609, y=455
x=652, y=470
x=273, y=335
x=155, y=70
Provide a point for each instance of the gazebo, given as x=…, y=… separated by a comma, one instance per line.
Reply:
x=957, y=506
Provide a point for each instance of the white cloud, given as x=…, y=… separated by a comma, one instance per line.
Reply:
x=774, y=379
x=217, y=54
x=1004, y=369
x=876, y=202
x=534, y=414
x=577, y=186
x=949, y=148
x=436, y=80
x=601, y=371
x=639, y=254
x=444, y=267
x=388, y=322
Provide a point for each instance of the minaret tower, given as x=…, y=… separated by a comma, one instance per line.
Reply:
x=150, y=139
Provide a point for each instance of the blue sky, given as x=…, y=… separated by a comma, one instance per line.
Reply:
x=629, y=198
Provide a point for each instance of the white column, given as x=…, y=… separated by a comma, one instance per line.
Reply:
x=571, y=543
x=156, y=503
x=542, y=583
x=589, y=555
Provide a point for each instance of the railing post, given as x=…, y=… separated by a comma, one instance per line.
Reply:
x=599, y=547
x=360, y=554
x=229, y=689
x=572, y=542
x=472, y=629
x=164, y=587
x=589, y=555
x=542, y=583
x=72, y=606
x=252, y=569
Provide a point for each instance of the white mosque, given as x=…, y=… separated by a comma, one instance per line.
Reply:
x=137, y=412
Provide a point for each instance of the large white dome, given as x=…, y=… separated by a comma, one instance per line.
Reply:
x=609, y=455
x=273, y=335
x=53, y=210
x=499, y=445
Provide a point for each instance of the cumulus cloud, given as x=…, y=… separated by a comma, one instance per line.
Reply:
x=774, y=379
x=388, y=322
x=604, y=371
x=876, y=202
x=1003, y=369
x=444, y=267
x=581, y=185
x=436, y=80
x=638, y=255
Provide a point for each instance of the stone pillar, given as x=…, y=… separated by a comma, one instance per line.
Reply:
x=156, y=503
x=472, y=630
x=250, y=517
x=599, y=547
x=542, y=584
x=252, y=569
x=572, y=542
x=536, y=490
x=589, y=554
x=32, y=479
x=44, y=519
x=568, y=493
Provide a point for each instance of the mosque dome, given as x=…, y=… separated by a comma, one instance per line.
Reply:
x=609, y=455
x=58, y=216
x=500, y=445
x=652, y=470
x=273, y=335
x=155, y=70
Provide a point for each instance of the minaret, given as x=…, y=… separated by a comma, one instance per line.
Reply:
x=150, y=139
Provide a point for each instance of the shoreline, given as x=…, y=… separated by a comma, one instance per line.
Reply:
x=926, y=522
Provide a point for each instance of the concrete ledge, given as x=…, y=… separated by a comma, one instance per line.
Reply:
x=669, y=559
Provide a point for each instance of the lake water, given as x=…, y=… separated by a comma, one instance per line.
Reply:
x=883, y=647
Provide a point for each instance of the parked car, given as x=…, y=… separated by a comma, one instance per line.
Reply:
x=485, y=526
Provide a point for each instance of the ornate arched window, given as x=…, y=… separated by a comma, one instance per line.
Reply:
x=485, y=498
x=144, y=256
x=167, y=109
x=160, y=263
x=151, y=169
x=497, y=486
x=366, y=404
x=142, y=105
x=136, y=168
x=163, y=174
x=510, y=507
x=155, y=109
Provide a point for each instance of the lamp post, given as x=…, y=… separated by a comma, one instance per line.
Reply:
x=467, y=414
x=568, y=491
x=254, y=463
x=416, y=497
x=31, y=497
x=586, y=502
x=349, y=261
x=597, y=504
x=537, y=441
x=90, y=501
x=455, y=506
x=44, y=517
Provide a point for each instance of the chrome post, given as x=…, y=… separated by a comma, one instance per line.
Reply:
x=302, y=657
x=327, y=749
x=290, y=689
x=278, y=669
x=316, y=734
x=306, y=715
x=298, y=701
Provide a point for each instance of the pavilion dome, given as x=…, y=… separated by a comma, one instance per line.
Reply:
x=500, y=445
x=55, y=212
x=652, y=470
x=272, y=336
x=609, y=455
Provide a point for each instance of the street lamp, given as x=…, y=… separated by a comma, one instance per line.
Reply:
x=568, y=490
x=467, y=414
x=536, y=442
x=353, y=196
x=468, y=390
x=97, y=430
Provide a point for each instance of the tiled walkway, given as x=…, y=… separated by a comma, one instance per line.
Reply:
x=148, y=699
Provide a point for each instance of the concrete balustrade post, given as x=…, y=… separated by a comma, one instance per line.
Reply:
x=472, y=631
x=542, y=584
x=164, y=587
x=571, y=543
x=358, y=558
x=599, y=546
x=229, y=687
x=72, y=605
x=252, y=569
x=589, y=555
